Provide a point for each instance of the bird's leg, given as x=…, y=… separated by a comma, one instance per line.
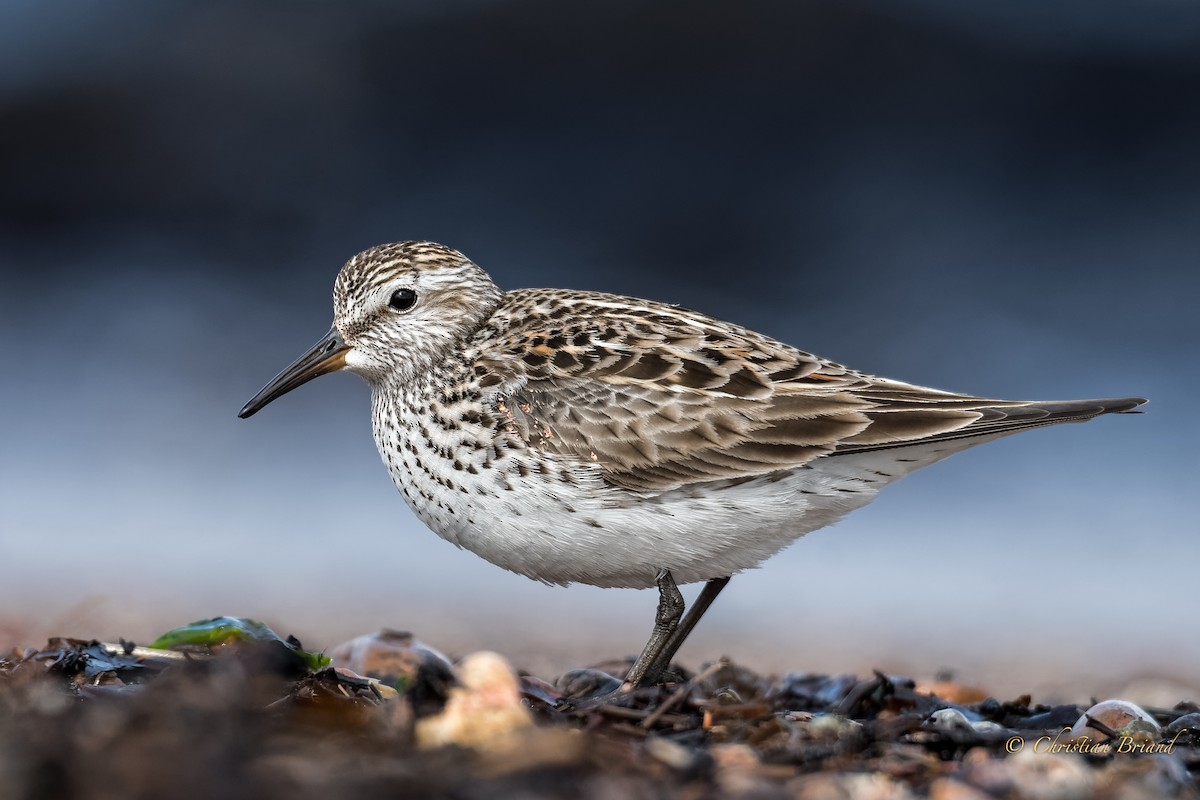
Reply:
x=666, y=621
x=703, y=600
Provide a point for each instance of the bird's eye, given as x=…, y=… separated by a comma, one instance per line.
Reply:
x=403, y=299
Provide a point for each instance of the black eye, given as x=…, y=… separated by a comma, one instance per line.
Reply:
x=403, y=299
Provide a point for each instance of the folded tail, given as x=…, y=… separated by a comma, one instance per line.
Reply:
x=909, y=426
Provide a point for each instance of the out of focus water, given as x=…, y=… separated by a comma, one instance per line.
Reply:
x=1000, y=202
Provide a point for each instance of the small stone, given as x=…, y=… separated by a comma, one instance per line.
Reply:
x=950, y=720
x=824, y=726
x=738, y=772
x=399, y=660
x=484, y=712
x=1047, y=776
x=1029, y=774
x=733, y=756
x=394, y=657
x=853, y=786
x=1153, y=776
x=981, y=770
x=1187, y=724
x=1122, y=716
x=950, y=789
x=910, y=763
x=673, y=754
x=731, y=679
x=816, y=787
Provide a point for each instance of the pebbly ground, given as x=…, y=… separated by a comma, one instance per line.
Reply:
x=227, y=709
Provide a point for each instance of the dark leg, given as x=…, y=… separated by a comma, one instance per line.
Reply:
x=669, y=632
x=663, y=659
x=666, y=620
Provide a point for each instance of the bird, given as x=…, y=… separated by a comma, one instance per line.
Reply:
x=583, y=437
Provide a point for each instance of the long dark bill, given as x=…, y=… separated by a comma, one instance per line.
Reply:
x=327, y=355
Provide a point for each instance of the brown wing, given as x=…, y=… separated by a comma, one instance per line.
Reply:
x=663, y=397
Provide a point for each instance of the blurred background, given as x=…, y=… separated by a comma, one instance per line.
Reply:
x=994, y=198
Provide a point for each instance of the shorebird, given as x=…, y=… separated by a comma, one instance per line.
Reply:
x=575, y=436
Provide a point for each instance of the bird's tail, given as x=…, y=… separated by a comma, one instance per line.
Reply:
x=997, y=417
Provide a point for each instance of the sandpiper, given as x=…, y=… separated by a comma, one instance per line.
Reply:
x=575, y=436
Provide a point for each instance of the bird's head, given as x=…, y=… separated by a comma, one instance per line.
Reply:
x=397, y=310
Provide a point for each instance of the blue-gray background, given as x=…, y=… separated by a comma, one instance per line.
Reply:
x=995, y=198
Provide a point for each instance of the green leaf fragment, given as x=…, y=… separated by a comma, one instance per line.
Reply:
x=223, y=630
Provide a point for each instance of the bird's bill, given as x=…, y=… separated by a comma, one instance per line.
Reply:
x=327, y=355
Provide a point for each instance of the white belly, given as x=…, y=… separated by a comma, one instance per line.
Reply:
x=562, y=523
x=698, y=535
x=592, y=533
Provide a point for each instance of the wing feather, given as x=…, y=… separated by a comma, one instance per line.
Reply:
x=661, y=397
